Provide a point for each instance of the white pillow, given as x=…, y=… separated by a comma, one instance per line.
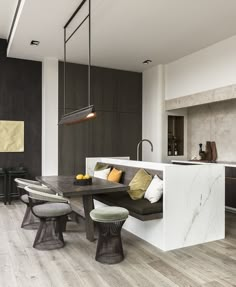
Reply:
x=103, y=174
x=155, y=190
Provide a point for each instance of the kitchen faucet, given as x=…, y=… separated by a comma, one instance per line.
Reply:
x=138, y=145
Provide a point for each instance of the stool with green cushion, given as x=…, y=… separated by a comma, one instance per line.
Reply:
x=52, y=214
x=110, y=220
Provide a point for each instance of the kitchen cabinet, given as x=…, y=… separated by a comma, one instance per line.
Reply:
x=230, y=187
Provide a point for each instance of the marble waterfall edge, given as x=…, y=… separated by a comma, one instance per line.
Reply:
x=197, y=198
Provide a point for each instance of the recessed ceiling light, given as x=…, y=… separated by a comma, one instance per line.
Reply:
x=146, y=62
x=34, y=43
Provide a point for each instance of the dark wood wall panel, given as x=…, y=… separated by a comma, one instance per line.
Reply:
x=20, y=100
x=117, y=96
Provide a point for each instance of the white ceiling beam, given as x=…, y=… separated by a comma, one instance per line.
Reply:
x=15, y=22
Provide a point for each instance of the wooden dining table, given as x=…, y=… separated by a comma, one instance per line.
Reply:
x=64, y=185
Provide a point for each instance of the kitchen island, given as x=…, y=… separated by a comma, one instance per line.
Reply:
x=193, y=204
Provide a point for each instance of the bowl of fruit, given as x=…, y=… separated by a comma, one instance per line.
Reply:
x=81, y=179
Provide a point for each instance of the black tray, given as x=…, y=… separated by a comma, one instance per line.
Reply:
x=83, y=181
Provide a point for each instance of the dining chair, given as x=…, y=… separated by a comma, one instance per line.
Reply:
x=52, y=215
x=29, y=220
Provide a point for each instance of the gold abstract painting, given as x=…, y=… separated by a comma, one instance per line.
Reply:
x=11, y=136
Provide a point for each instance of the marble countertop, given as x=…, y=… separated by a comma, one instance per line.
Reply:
x=225, y=163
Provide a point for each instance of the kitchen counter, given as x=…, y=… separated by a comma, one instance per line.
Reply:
x=225, y=163
x=230, y=179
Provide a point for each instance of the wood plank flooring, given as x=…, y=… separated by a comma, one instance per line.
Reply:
x=208, y=265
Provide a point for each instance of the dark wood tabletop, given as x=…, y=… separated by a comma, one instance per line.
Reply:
x=64, y=185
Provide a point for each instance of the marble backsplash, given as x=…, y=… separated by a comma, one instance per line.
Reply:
x=213, y=122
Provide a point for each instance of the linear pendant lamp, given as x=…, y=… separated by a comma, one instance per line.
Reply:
x=88, y=112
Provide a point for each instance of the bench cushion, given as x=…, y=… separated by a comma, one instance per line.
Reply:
x=122, y=198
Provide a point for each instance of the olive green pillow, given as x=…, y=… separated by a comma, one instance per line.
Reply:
x=139, y=184
x=101, y=166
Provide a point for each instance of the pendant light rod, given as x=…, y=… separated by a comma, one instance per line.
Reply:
x=77, y=28
x=74, y=14
x=89, y=111
x=89, y=64
x=64, y=75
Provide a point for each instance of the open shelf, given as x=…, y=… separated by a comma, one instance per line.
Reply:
x=175, y=136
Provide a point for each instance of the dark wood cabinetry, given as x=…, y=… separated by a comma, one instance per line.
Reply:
x=117, y=97
x=230, y=187
x=21, y=100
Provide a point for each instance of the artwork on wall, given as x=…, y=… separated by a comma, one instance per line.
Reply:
x=11, y=136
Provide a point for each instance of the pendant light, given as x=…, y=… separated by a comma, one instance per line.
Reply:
x=88, y=112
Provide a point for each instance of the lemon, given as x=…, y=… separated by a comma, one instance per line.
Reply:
x=86, y=176
x=79, y=176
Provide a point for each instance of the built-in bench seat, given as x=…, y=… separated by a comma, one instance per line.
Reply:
x=141, y=209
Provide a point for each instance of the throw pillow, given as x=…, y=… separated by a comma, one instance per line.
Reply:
x=115, y=175
x=155, y=190
x=101, y=166
x=103, y=174
x=139, y=184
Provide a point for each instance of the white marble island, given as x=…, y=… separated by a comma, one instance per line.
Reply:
x=193, y=205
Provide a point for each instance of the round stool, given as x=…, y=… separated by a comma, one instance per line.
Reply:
x=52, y=219
x=110, y=220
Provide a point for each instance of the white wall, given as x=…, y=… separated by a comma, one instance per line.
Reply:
x=152, y=113
x=209, y=68
x=50, y=117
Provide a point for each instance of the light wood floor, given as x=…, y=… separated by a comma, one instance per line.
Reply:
x=211, y=264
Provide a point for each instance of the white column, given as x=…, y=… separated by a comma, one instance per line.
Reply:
x=153, y=113
x=50, y=117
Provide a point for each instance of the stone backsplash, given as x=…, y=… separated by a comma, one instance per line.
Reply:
x=213, y=122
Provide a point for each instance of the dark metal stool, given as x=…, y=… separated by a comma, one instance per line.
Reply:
x=52, y=215
x=109, y=221
x=3, y=192
x=12, y=173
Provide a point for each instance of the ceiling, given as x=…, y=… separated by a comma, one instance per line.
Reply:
x=7, y=11
x=124, y=32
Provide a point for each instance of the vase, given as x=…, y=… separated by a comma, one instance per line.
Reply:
x=202, y=154
x=208, y=151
